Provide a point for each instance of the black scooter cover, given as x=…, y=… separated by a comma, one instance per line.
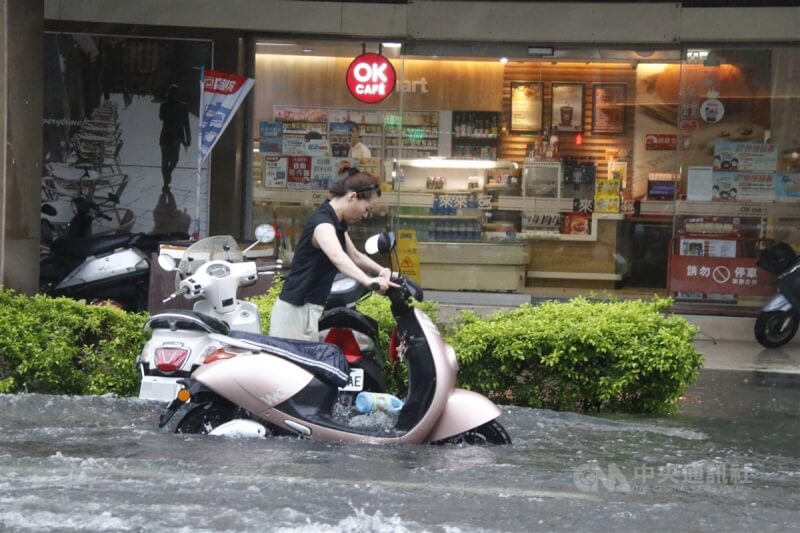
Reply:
x=325, y=361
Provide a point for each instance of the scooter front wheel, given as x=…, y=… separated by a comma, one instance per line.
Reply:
x=775, y=328
x=489, y=433
x=204, y=418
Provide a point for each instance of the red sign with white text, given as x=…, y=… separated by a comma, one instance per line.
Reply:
x=660, y=141
x=371, y=78
x=298, y=172
x=719, y=275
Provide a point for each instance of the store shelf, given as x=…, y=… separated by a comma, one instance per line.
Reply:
x=737, y=209
x=475, y=140
x=290, y=196
x=439, y=217
x=683, y=207
x=596, y=276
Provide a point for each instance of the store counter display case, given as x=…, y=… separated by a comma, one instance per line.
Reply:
x=448, y=203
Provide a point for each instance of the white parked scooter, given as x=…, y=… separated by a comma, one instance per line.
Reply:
x=256, y=385
x=210, y=271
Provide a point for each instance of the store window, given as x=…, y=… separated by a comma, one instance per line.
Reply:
x=739, y=155
x=565, y=174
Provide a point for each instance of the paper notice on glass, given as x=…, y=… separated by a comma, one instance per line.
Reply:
x=275, y=172
x=721, y=248
x=693, y=247
x=700, y=183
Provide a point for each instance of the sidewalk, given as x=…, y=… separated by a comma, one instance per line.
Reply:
x=727, y=343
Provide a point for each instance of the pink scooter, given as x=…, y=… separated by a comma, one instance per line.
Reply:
x=257, y=385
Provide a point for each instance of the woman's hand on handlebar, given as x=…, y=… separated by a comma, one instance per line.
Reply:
x=387, y=273
x=381, y=284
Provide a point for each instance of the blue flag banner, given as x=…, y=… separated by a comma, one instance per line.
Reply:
x=222, y=94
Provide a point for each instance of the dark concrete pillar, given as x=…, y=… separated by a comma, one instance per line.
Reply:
x=21, y=90
x=227, y=177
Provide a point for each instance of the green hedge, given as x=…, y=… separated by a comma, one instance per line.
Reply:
x=624, y=356
x=581, y=355
x=61, y=346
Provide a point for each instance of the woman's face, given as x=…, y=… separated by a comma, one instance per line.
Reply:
x=359, y=209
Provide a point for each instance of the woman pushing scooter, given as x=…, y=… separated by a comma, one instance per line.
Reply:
x=324, y=249
x=255, y=385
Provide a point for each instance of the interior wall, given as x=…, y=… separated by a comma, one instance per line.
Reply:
x=513, y=146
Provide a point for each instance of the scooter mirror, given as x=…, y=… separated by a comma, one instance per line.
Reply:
x=167, y=263
x=381, y=243
x=265, y=233
x=49, y=210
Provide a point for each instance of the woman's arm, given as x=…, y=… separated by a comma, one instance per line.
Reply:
x=325, y=238
x=364, y=261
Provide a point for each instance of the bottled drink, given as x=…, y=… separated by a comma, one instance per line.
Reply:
x=369, y=402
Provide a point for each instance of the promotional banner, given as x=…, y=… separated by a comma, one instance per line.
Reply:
x=222, y=94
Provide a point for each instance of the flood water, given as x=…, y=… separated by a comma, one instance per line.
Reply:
x=728, y=461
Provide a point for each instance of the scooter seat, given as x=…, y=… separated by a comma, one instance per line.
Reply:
x=90, y=245
x=325, y=361
x=345, y=317
x=182, y=319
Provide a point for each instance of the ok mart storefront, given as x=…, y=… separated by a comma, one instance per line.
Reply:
x=545, y=171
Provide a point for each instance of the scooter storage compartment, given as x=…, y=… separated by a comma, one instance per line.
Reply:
x=777, y=258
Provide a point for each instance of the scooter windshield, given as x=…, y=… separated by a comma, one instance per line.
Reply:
x=216, y=248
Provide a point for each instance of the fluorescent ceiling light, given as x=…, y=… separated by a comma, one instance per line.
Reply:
x=392, y=45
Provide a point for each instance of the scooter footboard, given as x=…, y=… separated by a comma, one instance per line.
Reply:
x=464, y=410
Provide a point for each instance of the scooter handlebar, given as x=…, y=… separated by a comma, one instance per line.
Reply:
x=269, y=269
x=182, y=290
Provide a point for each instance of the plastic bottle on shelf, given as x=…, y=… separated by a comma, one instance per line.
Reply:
x=370, y=402
x=462, y=233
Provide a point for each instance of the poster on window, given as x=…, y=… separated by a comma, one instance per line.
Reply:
x=298, y=172
x=526, y=107
x=608, y=108
x=275, y=172
x=742, y=186
x=567, y=107
x=120, y=128
x=787, y=186
x=745, y=157
x=270, y=137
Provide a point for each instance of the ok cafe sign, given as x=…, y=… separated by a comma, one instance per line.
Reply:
x=371, y=78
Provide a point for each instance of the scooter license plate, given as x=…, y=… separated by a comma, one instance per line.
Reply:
x=356, y=382
x=156, y=388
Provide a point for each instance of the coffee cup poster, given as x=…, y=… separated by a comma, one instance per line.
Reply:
x=567, y=107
